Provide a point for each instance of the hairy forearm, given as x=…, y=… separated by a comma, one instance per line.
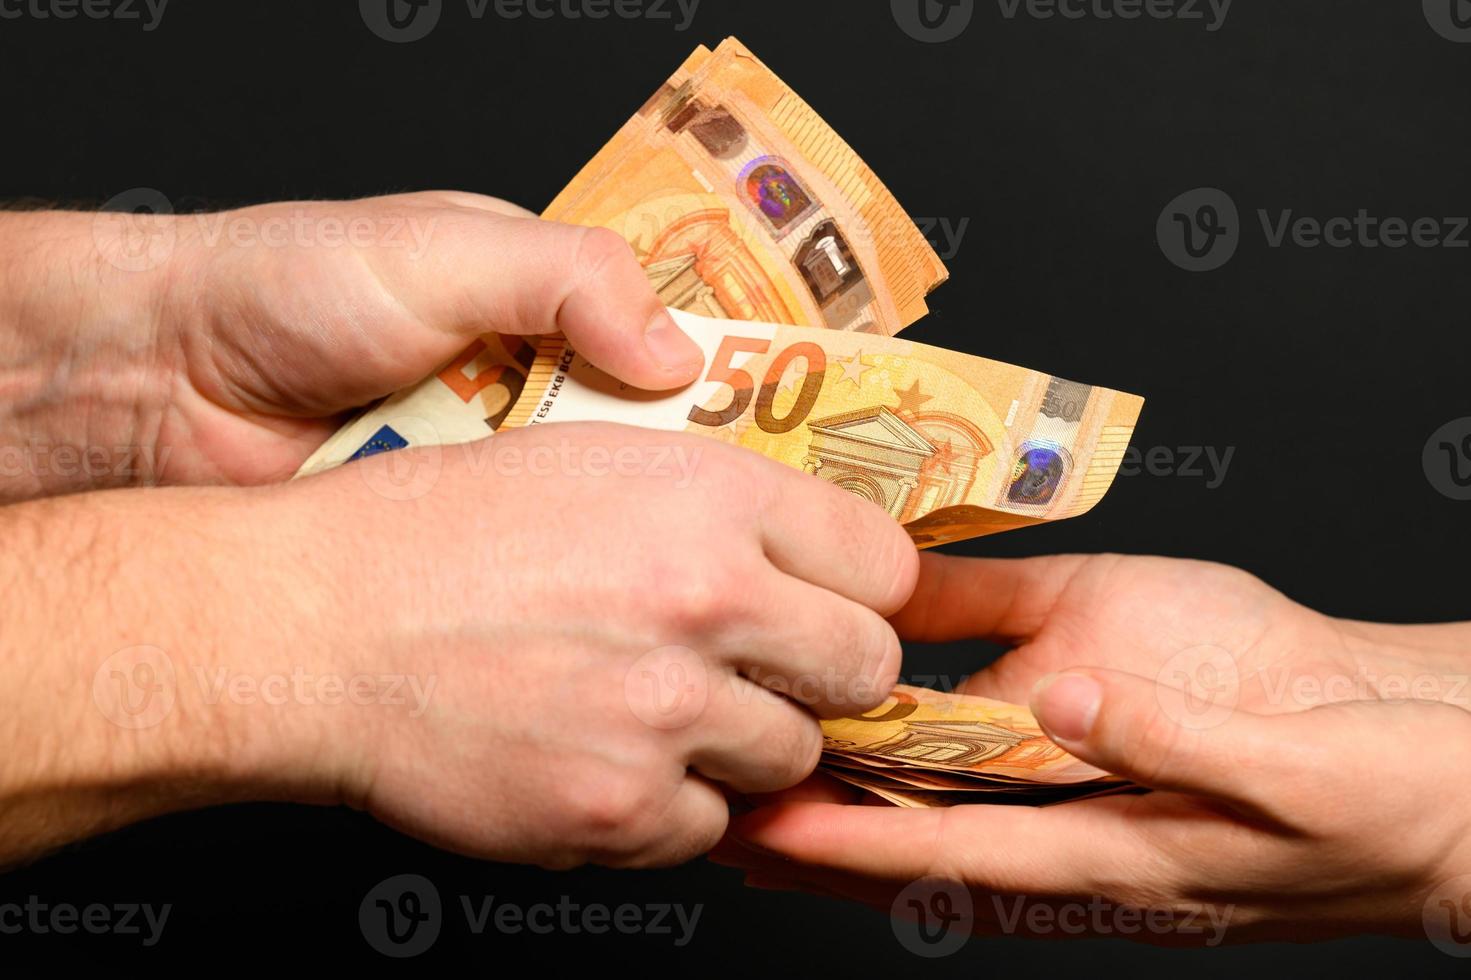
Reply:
x=120, y=609
x=79, y=363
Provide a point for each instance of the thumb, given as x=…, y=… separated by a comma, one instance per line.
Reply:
x=1158, y=736
x=525, y=276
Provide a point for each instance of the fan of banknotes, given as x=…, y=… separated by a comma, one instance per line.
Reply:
x=782, y=254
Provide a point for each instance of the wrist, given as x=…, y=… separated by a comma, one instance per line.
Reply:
x=83, y=378
x=1420, y=662
x=134, y=705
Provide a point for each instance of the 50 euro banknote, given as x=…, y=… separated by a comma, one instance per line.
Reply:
x=952, y=445
x=739, y=202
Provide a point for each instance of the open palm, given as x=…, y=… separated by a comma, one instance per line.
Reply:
x=1211, y=630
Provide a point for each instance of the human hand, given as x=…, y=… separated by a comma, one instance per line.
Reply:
x=597, y=637
x=1271, y=810
x=1217, y=632
x=231, y=351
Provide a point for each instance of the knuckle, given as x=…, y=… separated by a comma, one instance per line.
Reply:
x=884, y=557
x=796, y=747
x=698, y=600
x=742, y=481
x=1159, y=745
x=871, y=662
x=613, y=814
x=894, y=562
x=876, y=683
x=904, y=570
x=675, y=842
x=860, y=642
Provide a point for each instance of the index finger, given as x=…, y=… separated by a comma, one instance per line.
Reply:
x=1087, y=847
x=833, y=539
x=1001, y=599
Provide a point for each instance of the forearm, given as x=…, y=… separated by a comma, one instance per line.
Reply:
x=80, y=369
x=124, y=614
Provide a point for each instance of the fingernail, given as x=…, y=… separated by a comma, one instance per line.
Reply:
x=670, y=346
x=1067, y=705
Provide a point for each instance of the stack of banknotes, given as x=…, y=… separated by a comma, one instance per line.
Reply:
x=783, y=255
x=923, y=748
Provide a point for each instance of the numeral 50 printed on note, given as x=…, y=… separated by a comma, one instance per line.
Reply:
x=953, y=446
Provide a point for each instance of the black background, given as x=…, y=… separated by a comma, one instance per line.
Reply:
x=1061, y=142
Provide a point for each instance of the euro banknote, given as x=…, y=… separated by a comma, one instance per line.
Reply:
x=739, y=201
x=925, y=748
x=951, y=445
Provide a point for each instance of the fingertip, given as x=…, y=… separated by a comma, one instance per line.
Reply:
x=883, y=676
x=1066, y=704
x=907, y=567
x=676, y=356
